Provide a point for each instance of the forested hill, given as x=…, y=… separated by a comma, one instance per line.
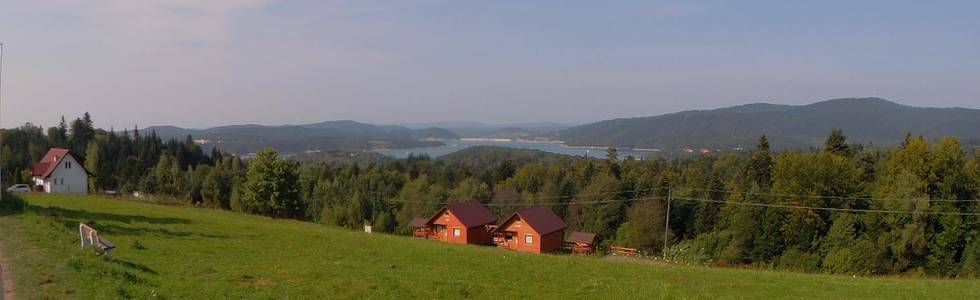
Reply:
x=330, y=135
x=866, y=120
x=491, y=155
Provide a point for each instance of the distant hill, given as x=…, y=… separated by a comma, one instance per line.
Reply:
x=865, y=120
x=293, y=139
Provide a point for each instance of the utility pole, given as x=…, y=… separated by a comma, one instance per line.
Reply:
x=1, y=123
x=667, y=225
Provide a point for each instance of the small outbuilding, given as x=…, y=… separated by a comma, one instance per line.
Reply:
x=59, y=172
x=581, y=243
x=460, y=223
x=535, y=230
x=418, y=227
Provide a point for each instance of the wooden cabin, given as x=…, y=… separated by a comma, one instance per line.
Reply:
x=581, y=243
x=460, y=223
x=418, y=228
x=535, y=230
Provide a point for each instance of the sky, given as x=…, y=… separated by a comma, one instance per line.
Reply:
x=199, y=64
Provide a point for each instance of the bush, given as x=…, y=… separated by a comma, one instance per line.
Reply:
x=137, y=245
x=971, y=260
x=796, y=260
x=863, y=257
x=11, y=203
x=702, y=250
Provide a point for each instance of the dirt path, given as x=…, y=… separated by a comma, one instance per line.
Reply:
x=6, y=283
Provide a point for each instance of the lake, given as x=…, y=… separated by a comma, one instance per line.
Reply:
x=456, y=145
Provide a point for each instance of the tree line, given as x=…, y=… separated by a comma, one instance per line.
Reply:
x=843, y=208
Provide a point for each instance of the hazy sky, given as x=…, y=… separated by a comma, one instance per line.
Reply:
x=199, y=63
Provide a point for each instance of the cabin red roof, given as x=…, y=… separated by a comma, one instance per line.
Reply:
x=417, y=222
x=582, y=238
x=49, y=162
x=470, y=213
x=541, y=218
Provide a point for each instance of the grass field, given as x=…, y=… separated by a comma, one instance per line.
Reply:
x=196, y=253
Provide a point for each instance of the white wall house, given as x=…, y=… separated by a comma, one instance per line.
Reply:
x=60, y=172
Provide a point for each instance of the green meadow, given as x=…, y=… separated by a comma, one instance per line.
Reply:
x=177, y=252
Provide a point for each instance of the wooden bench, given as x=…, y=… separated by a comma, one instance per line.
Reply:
x=90, y=237
x=623, y=251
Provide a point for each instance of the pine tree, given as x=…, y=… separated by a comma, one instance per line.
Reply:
x=760, y=164
x=837, y=143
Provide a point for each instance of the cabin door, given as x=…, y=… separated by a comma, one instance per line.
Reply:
x=511, y=238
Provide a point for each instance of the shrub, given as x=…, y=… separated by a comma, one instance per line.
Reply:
x=137, y=245
x=971, y=260
x=796, y=260
x=702, y=250
x=863, y=257
x=11, y=203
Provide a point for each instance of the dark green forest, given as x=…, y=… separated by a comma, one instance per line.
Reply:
x=839, y=208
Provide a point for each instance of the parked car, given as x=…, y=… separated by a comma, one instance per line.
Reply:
x=19, y=188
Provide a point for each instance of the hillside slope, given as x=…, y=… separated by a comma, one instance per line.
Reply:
x=180, y=252
x=866, y=120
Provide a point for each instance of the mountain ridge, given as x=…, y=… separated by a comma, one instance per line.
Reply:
x=866, y=120
x=292, y=139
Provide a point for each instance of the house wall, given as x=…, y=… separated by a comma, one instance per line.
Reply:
x=552, y=242
x=476, y=235
x=75, y=180
x=450, y=221
x=549, y=243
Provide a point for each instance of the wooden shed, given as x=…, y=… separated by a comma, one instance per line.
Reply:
x=418, y=228
x=461, y=223
x=581, y=243
x=536, y=230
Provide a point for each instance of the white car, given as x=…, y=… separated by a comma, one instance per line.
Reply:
x=19, y=188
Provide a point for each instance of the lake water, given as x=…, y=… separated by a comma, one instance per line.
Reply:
x=456, y=145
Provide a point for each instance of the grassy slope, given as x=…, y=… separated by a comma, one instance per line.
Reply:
x=203, y=253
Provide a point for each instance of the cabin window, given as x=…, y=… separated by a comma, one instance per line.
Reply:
x=457, y=232
x=528, y=239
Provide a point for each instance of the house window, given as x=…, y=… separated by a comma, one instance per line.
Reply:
x=67, y=165
x=528, y=239
x=457, y=232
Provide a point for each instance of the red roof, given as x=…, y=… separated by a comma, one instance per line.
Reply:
x=49, y=162
x=417, y=222
x=582, y=238
x=541, y=218
x=470, y=213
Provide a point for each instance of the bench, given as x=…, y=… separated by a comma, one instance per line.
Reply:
x=623, y=251
x=91, y=237
x=104, y=246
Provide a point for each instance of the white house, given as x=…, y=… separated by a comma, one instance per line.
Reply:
x=60, y=172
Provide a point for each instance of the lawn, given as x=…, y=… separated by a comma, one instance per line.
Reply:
x=174, y=252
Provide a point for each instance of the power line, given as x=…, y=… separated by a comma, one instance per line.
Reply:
x=516, y=204
x=828, y=208
x=546, y=204
x=834, y=197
